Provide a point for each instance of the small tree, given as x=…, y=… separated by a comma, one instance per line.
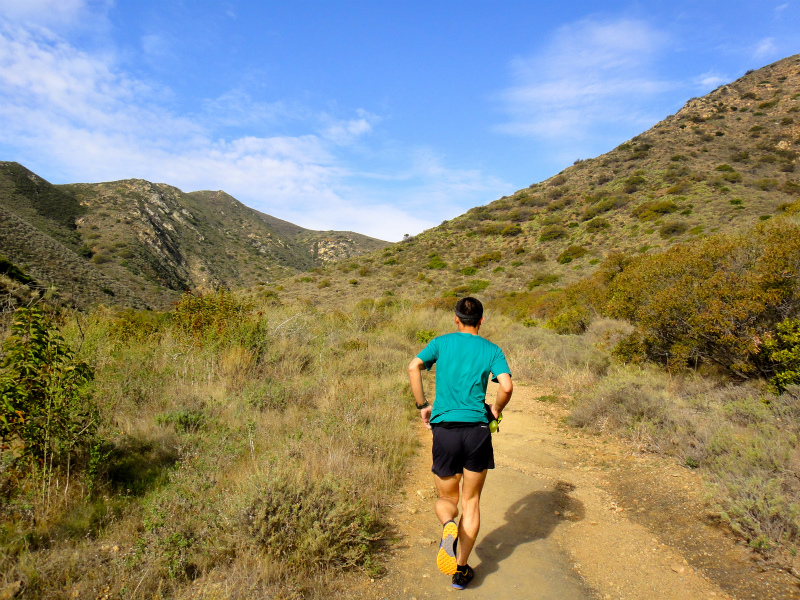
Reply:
x=44, y=404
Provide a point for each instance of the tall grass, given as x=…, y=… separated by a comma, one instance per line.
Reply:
x=251, y=449
x=235, y=433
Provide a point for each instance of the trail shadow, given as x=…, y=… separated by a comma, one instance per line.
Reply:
x=531, y=518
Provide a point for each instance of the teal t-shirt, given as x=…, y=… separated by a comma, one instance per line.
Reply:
x=463, y=363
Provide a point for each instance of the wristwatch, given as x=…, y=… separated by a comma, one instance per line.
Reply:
x=423, y=405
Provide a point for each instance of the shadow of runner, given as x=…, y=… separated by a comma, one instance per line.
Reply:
x=531, y=518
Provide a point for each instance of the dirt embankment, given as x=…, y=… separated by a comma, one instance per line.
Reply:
x=566, y=515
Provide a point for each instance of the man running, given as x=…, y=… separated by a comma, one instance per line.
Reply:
x=462, y=442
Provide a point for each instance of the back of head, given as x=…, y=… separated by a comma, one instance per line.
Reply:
x=469, y=311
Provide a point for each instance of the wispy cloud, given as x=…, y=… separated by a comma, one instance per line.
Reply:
x=75, y=116
x=765, y=48
x=710, y=80
x=592, y=75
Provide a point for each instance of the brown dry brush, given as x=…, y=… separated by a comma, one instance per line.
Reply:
x=233, y=433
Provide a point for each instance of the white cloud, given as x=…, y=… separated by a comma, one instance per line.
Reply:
x=590, y=76
x=710, y=80
x=73, y=116
x=57, y=15
x=346, y=132
x=781, y=7
x=765, y=48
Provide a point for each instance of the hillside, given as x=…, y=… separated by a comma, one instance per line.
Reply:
x=721, y=164
x=144, y=242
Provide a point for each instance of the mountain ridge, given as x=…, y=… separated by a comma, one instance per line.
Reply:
x=153, y=239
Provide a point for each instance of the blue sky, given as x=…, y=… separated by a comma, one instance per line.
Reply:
x=382, y=117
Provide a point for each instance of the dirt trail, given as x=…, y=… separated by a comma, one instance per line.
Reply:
x=567, y=515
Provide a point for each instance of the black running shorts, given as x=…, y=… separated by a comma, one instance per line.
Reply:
x=459, y=448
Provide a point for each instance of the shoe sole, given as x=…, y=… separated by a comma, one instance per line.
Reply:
x=446, y=558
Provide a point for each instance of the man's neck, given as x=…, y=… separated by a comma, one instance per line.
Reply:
x=467, y=329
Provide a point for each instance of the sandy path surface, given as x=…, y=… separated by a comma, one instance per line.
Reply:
x=569, y=515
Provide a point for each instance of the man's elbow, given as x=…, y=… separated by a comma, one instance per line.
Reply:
x=415, y=366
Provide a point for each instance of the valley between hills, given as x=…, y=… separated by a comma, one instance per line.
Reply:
x=203, y=401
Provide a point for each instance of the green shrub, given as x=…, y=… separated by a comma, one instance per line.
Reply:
x=597, y=224
x=101, y=259
x=783, y=351
x=477, y=285
x=652, y=210
x=570, y=254
x=572, y=320
x=44, y=400
x=423, y=336
x=542, y=279
x=484, y=259
x=766, y=184
x=552, y=232
x=538, y=257
x=711, y=300
x=198, y=315
x=511, y=230
x=672, y=229
x=10, y=270
x=469, y=271
x=436, y=262
x=491, y=229
x=603, y=206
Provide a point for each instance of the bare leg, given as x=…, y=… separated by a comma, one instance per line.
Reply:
x=446, y=507
x=470, y=522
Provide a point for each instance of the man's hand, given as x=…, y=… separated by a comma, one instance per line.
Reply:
x=425, y=415
x=495, y=411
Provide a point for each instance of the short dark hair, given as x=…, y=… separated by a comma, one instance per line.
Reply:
x=469, y=311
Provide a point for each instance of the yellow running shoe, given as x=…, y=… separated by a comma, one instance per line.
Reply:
x=446, y=558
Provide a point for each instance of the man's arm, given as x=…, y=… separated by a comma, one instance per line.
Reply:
x=503, y=393
x=415, y=379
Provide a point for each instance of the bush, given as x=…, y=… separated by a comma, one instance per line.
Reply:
x=597, y=224
x=311, y=522
x=570, y=254
x=572, y=320
x=783, y=350
x=477, y=285
x=603, y=207
x=712, y=300
x=552, y=232
x=542, y=279
x=423, y=336
x=484, y=259
x=44, y=400
x=538, y=257
x=435, y=262
x=491, y=229
x=511, y=230
x=672, y=229
x=198, y=315
x=766, y=184
x=652, y=210
x=469, y=271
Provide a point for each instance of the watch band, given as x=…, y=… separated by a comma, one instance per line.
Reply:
x=423, y=405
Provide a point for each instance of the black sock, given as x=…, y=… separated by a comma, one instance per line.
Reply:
x=461, y=568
